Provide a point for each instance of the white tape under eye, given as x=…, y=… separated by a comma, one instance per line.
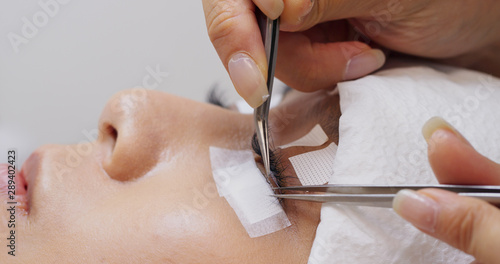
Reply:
x=240, y=181
x=315, y=137
x=315, y=167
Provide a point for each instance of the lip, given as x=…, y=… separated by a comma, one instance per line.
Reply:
x=29, y=171
x=30, y=167
x=20, y=194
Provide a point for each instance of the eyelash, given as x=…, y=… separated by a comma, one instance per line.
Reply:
x=275, y=162
x=215, y=96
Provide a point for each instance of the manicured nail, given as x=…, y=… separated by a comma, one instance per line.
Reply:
x=306, y=11
x=417, y=209
x=364, y=63
x=272, y=9
x=248, y=79
x=436, y=129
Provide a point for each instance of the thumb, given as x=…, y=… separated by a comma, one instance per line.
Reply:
x=454, y=160
x=468, y=224
x=320, y=57
x=299, y=15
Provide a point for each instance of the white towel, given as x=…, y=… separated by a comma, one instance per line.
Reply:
x=381, y=143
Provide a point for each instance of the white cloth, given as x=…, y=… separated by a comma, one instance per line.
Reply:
x=381, y=143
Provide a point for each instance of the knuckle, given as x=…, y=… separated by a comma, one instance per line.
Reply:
x=479, y=216
x=464, y=227
x=220, y=21
x=321, y=9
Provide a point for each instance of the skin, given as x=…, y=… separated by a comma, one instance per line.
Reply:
x=317, y=46
x=318, y=38
x=143, y=192
x=468, y=224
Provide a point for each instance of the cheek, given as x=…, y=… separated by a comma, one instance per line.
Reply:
x=174, y=224
x=64, y=185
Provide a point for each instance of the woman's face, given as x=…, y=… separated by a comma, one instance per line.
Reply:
x=143, y=192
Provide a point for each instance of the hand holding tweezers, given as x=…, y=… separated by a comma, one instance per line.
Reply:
x=380, y=195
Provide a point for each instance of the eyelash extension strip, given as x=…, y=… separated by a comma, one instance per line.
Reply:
x=315, y=167
x=239, y=180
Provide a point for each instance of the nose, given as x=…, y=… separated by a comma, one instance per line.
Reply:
x=131, y=131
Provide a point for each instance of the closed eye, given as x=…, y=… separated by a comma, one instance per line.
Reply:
x=215, y=96
x=275, y=162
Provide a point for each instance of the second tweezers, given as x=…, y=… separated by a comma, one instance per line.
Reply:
x=380, y=195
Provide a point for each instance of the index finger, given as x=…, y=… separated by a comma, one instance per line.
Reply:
x=235, y=34
x=454, y=160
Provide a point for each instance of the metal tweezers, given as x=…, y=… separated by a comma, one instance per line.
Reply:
x=380, y=195
x=270, y=31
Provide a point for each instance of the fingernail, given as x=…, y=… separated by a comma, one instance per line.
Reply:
x=437, y=129
x=306, y=11
x=417, y=209
x=248, y=79
x=273, y=9
x=364, y=63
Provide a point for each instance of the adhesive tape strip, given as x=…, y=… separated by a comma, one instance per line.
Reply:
x=315, y=167
x=240, y=181
x=235, y=178
x=315, y=137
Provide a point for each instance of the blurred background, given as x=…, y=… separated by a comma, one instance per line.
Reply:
x=61, y=60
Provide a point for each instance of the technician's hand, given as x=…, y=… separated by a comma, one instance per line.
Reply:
x=318, y=54
x=468, y=224
x=308, y=61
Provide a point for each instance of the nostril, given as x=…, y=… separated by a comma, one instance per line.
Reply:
x=111, y=131
x=109, y=137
